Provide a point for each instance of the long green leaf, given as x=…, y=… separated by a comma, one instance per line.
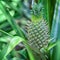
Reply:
x=17, y=29
x=48, y=6
x=55, y=52
x=15, y=40
x=11, y=21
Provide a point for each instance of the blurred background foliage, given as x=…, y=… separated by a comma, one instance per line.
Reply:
x=13, y=12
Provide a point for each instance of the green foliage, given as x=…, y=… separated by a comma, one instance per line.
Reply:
x=55, y=31
x=5, y=51
x=14, y=15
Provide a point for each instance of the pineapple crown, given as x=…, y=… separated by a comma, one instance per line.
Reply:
x=36, y=12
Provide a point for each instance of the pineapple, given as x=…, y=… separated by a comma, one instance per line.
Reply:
x=38, y=35
x=37, y=30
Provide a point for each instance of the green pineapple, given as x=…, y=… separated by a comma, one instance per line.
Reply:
x=38, y=31
x=38, y=35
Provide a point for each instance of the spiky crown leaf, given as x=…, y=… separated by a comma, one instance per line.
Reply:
x=36, y=12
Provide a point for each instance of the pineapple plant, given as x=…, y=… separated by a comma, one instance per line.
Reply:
x=38, y=33
x=37, y=29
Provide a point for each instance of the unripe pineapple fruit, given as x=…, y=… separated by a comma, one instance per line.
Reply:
x=38, y=30
x=38, y=35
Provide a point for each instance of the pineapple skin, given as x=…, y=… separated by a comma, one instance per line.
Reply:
x=38, y=35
